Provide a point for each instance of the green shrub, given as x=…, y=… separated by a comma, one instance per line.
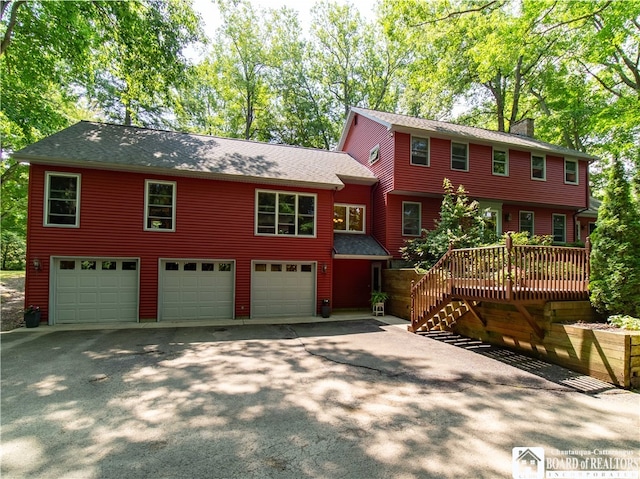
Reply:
x=625, y=322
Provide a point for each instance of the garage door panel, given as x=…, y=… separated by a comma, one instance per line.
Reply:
x=283, y=289
x=192, y=289
x=85, y=292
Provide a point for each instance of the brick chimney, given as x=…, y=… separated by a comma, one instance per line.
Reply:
x=523, y=127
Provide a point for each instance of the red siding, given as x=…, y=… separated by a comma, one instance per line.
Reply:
x=363, y=135
x=479, y=180
x=430, y=213
x=352, y=283
x=357, y=195
x=214, y=219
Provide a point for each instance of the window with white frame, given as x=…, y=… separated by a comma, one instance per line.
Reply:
x=62, y=204
x=559, y=228
x=285, y=213
x=419, y=151
x=411, y=218
x=349, y=218
x=538, y=167
x=160, y=205
x=571, y=172
x=526, y=222
x=374, y=154
x=500, y=165
x=459, y=156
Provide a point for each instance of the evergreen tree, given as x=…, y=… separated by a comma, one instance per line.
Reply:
x=615, y=258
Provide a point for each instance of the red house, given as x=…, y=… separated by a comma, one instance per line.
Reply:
x=132, y=224
x=526, y=184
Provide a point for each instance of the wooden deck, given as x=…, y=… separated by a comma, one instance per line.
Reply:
x=514, y=274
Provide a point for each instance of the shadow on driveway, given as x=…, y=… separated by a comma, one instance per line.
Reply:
x=331, y=400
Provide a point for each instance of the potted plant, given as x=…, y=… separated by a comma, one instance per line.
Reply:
x=377, y=302
x=32, y=316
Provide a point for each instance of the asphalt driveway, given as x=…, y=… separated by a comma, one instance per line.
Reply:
x=357, y=399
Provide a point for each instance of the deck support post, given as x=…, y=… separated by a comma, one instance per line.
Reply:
x=474, y=311
x=532, y=322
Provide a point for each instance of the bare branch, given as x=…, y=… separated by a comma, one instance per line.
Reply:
x=578, y=19
x=13, y=18
x=457, y=14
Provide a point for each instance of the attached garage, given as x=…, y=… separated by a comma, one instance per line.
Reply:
x=196, y=289
x=283, y=288
x=93, y=290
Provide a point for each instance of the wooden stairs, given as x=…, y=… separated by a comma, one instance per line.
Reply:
x=518, y=275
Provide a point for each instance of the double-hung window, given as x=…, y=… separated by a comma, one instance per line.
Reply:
x=500, y=162
x=538, y=167
x=526, y=222
x=62, y=206
x=160, y=205
x=419, y=151
x=284, y=213
x=559, y=228
x=571, y=172
x=459, y=156
x=411, y=218
x=348, y=218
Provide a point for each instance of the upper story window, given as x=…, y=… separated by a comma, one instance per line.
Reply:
x=284, y=213
x=348, y=218
x=160, y=205
x=538, y=167
x=500, y=165
x=459, y=156
x=419, y=151
x=559, y=228
x=374, y=154
x=526, y=222
x=62, y=195
x=411, y=218
x=571, y=172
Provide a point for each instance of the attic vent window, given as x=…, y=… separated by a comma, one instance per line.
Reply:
x=374, y=154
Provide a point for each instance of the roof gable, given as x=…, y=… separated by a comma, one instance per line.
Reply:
x=100, y=145
x=410, y=124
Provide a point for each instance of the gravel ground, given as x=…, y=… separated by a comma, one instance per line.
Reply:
x=12, y=291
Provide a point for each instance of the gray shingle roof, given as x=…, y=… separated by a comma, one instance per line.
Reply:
x=357, y=246
x=410, y=124
x=100, y=145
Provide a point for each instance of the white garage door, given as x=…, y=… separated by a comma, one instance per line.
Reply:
x=95, y=290
x=283, y=289
x=202, y=289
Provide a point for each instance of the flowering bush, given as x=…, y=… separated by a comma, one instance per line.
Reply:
x=31, y=309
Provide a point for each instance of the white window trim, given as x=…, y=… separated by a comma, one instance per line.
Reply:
x=47, y=176
x=544, y=167
x=428, y=151
x=364, y=219
x=564, y=234
x=506, y=164
x=533, y=221
x=374, y=154
x=466, y=145
x=577, y=182
x=173, y=205
x=419, y=218
x=297, y=194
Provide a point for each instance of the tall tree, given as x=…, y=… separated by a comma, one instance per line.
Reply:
x=615, y=259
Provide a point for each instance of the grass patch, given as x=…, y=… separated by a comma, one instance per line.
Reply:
x=11, y=275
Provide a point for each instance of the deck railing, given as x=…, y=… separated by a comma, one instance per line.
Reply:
x=504, y=273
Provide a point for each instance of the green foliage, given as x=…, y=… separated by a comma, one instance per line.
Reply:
x=461, y=225
x=12, y=251
x=523, y=238
x=615, y=257
x=378, y=297
x=625, y=322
